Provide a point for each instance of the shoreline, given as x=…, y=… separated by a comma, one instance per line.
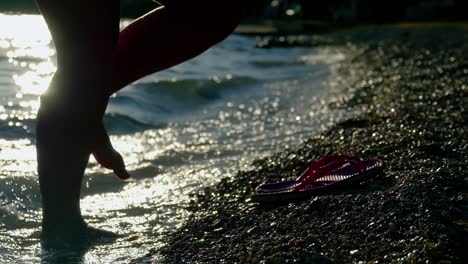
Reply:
x=411, y=85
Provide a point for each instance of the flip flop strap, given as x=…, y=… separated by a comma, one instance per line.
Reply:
x=319, y=164
x=327, y=170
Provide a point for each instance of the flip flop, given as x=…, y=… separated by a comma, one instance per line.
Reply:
x=336, y=175
x=326, y=162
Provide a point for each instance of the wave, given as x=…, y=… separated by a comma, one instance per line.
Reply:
x=156, y=103
x=201, y=89
x=121, y=124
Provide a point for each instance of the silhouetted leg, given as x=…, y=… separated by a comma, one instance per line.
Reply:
x=85, y=33
x=91, y=67
x=168, y=36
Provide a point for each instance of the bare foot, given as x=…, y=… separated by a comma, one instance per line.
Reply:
x=74, y=236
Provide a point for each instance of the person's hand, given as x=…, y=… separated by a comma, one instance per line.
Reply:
x=107, y=156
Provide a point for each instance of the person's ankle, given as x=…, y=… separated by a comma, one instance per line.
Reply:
x=56, y=224
x=73, y=235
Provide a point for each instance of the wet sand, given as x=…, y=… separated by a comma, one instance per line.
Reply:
x=411, y=84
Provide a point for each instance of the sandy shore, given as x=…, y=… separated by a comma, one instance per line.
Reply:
x=411, y=85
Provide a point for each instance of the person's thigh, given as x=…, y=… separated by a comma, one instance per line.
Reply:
x=168, y=36
x=85, y=32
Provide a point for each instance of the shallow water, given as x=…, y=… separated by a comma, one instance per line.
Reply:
x=179, y=131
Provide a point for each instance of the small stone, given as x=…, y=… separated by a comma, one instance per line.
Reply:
x=314, y=205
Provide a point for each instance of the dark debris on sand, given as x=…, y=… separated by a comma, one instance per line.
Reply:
x=412, y=88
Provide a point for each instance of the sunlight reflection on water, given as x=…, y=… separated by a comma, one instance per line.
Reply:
x=29, y=39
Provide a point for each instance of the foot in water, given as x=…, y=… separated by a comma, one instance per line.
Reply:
x=74, y=236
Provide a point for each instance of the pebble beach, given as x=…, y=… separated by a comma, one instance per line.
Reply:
x=410, y=85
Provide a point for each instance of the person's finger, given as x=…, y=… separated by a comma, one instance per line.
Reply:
x=107, y=156
x=111, y=159
x=103, y=159
x=122, y=174
x=119, y=169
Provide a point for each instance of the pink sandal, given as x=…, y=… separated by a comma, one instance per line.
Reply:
x=326, y=175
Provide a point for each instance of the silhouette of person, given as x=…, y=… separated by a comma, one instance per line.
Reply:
x=95, y=60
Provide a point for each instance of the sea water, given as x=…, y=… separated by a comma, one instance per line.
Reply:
x=179, y=130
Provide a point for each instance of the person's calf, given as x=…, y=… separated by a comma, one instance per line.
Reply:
x=65, y=131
